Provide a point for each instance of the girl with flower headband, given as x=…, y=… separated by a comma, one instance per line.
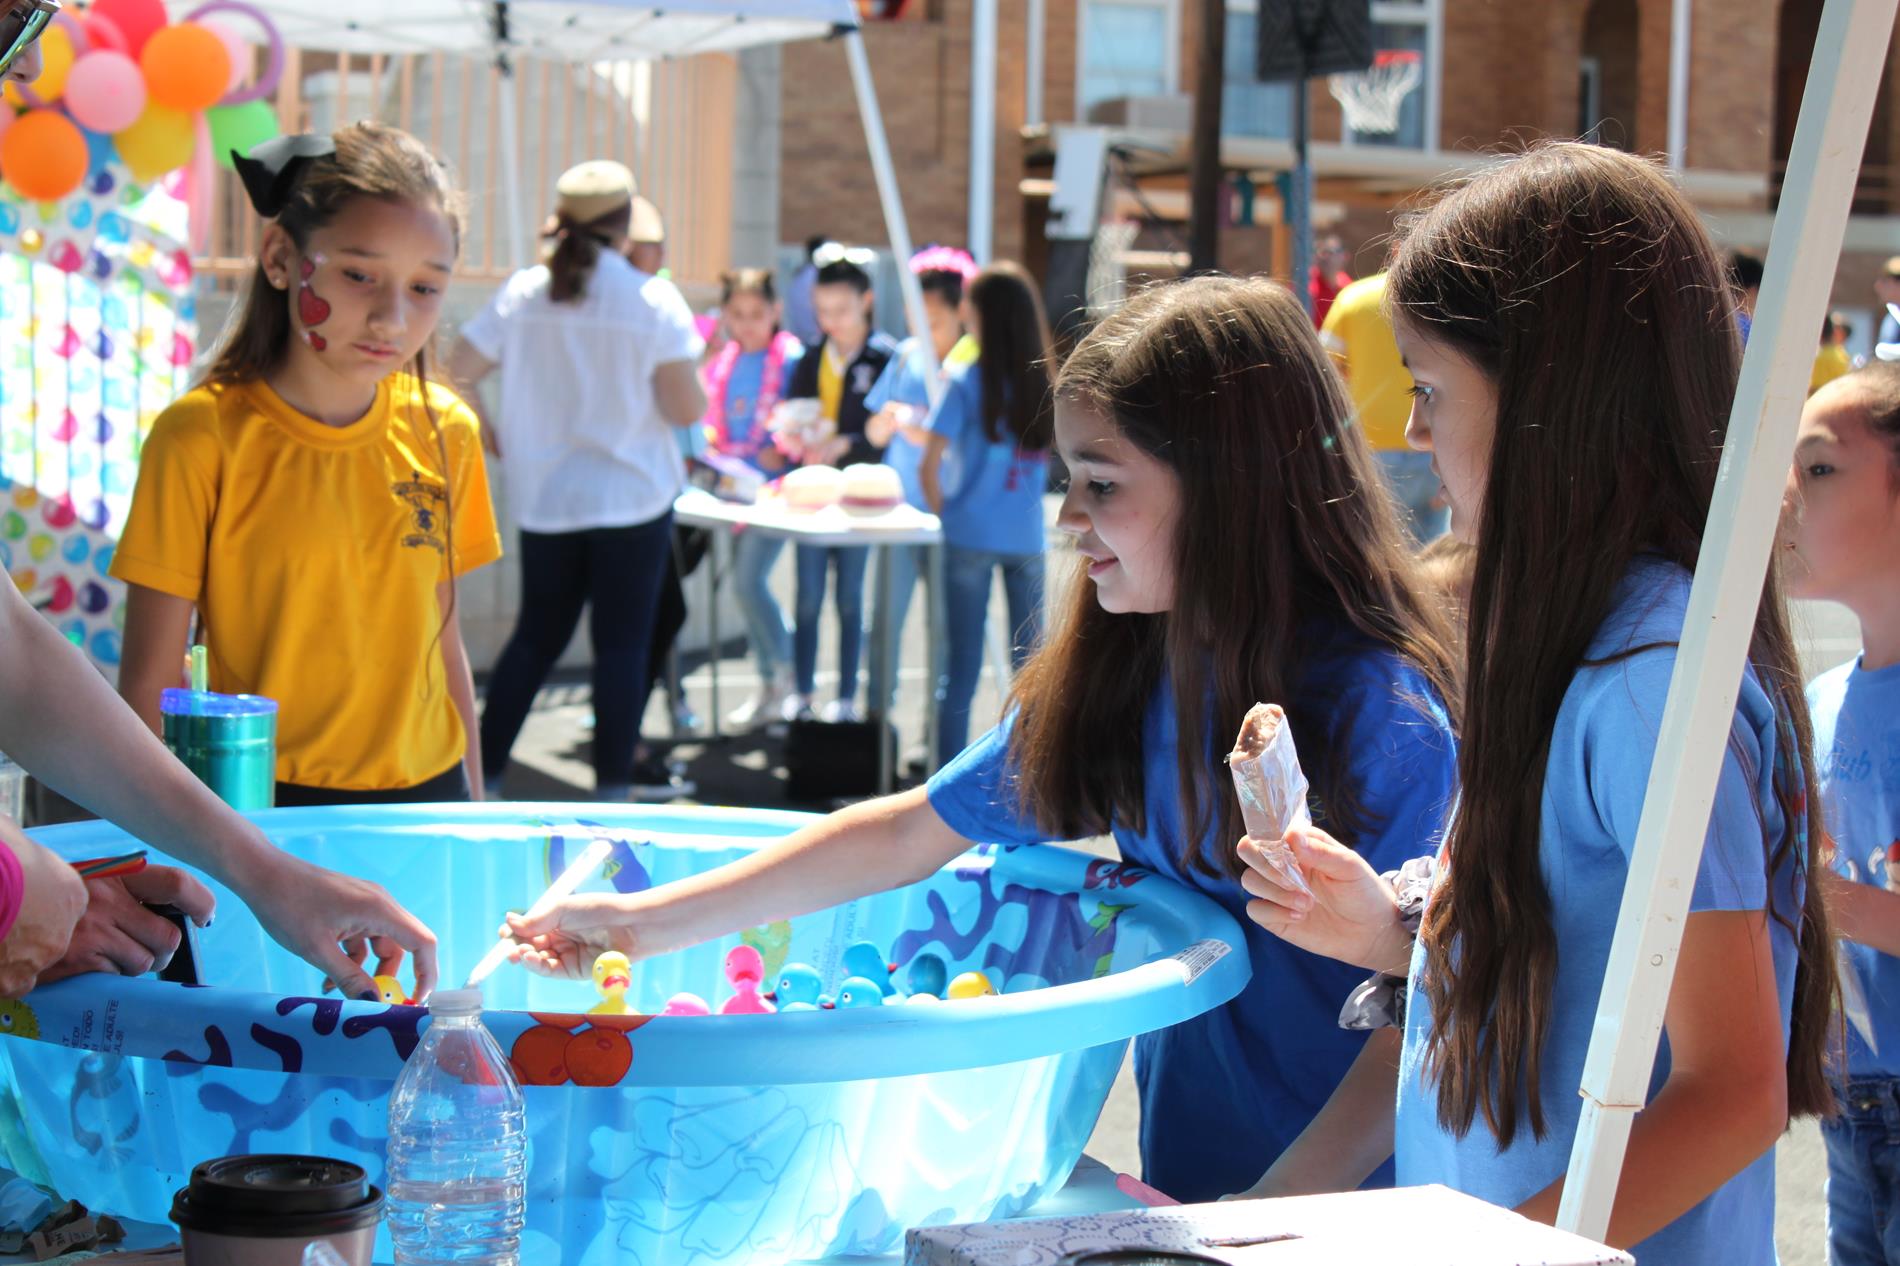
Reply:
x=313, y=500
x=745, y=380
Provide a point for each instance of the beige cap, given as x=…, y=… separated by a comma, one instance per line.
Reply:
x=1893, y=266
x=647, y=226
x=587, y=192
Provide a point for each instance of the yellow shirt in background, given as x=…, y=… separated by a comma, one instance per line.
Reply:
x=830, y=383
x=313, y=554
x=1830, y=362
x=1359, y=336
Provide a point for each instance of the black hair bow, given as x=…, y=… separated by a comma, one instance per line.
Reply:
x=273, y=169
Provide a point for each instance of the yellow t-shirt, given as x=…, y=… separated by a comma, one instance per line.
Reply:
x=1359, y=336
x=830, y=383
x=1830, y=362
x=313, y=554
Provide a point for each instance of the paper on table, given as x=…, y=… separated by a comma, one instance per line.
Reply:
x=1271, y=786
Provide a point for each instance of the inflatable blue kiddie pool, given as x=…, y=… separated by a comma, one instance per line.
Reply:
x=653, y=1139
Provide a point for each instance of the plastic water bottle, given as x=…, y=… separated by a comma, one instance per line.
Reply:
x=458, y=1144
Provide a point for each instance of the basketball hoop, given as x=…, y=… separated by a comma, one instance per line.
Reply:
x=1371, y=98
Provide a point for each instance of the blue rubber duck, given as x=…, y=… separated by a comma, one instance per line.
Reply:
x=866, y=962
x=858, y=992
x=799, y=988
x=928, y=974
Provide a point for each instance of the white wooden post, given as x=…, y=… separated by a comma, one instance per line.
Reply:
x=1803, y=249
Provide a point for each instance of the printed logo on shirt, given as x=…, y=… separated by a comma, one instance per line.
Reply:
x=862, y=379
x=426, y=502
x=1883, y=865
x=1850, y=765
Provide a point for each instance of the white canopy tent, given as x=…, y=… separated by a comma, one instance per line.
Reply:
x=585, y=32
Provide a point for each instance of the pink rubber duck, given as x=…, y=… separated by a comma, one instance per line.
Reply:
x=745, y=968
x=686, y=1004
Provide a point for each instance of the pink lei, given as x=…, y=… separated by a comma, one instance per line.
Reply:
x=771, y=385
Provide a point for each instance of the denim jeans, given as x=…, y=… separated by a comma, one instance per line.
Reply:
x=815, y=562
x=614, y=573
x=966, y=592
x=1416, y=487
x=765, y=624
x=1863, y=1175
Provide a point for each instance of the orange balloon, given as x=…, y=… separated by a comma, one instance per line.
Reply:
x=187, y=67
x=43, y=156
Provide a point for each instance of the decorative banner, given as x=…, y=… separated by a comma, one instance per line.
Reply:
x=97, y=335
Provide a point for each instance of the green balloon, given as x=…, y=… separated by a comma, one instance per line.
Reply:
x=239, y=127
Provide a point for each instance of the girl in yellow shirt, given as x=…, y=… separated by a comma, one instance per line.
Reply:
x=313, y=499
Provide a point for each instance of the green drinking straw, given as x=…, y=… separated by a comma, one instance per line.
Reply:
x=200, y=669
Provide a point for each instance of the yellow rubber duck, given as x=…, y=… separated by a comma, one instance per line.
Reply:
x=971, y=984
x=613, y=976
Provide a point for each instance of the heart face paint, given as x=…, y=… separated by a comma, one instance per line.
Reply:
x=312, y=309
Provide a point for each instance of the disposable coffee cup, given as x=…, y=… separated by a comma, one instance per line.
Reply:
x=229, y=741
x=270, y=1210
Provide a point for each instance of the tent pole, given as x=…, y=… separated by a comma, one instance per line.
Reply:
x=510, y=165
x=1843, y=78
x=895, y=225
x=982, y=130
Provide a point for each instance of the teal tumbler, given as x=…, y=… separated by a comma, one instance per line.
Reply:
x=229, y=741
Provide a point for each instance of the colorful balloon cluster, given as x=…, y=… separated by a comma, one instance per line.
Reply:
x=121, y=79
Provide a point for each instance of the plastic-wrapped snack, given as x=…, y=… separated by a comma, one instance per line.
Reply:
x=1271, y=787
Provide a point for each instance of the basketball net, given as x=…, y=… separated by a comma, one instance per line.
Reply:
x=1371, y=99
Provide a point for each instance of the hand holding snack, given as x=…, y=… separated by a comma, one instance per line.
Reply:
x=1272, y=788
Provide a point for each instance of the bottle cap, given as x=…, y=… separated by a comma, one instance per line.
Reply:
x=452, y=1002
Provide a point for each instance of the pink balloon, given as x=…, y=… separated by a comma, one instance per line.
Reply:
x=200, y=184
x=240, y=50
x=105, y=92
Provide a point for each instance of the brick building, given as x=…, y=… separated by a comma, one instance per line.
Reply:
x=1495, y=73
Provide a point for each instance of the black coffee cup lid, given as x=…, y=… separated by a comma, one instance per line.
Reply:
x=279, y=1197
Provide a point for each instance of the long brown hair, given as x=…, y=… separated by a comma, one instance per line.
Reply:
x=1283, y=520
x=1584, y=285
x=1013, y=360
x=371, y=161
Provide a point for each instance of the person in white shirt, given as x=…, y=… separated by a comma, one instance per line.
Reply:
x=598, y=365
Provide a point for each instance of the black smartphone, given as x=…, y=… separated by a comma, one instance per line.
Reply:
x=183, y=969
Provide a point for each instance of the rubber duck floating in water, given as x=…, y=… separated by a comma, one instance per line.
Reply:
x=927, y=976
x=745, y=970
x=865, y=961
x=613, y=976
x=971, y=984
x=857, y=992
x=800, y=988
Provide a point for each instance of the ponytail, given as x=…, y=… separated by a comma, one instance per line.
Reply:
x=577, y=249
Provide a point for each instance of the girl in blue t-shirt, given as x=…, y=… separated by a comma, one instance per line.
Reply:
x=900, y=408
x=1841, y=533
x=991, y=431
x=1571, y=337
x=745, y=380
x=1229, y=546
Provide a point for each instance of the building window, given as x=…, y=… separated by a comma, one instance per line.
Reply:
x=1248, y=106
x=1128, y=48
x=1417, y=26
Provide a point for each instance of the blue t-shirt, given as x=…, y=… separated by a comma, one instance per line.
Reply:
x=1223, y=1094
x=1594, y=785
x=993, y=489
x=1857, y=742
x=743, y=385
x=904, y=381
